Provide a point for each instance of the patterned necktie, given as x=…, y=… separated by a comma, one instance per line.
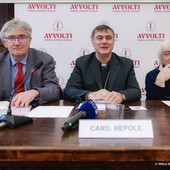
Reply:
x=19, y=79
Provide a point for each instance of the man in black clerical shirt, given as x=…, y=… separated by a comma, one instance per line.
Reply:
x=103, y=75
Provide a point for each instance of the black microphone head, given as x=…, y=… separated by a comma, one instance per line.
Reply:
x=90, y=108
x=38, y=65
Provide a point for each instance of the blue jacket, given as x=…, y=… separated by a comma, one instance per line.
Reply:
x=154, y=92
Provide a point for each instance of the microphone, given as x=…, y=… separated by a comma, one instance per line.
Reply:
x=88, y=110
x=37, y=66
x=11, y=121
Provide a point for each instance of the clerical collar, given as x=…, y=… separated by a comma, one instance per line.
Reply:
x=103, y=64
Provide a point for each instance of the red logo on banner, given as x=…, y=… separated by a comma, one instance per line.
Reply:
x=58, y=36
x=151, y=36
x=136, y=63
x=116, y=36
x=127, y=54
x=73, y=63
x=41, y=7
x=58, y=26
x=84, y=7
x=143, y=90
x=156, y=63
x=106, y=23
x=162, y=8
x=126, y=8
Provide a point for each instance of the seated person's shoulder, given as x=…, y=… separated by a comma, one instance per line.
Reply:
x=153, y=71
x=125, y=60
x=39, y=53
x=84, y=58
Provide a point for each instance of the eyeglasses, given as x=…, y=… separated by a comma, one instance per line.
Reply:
x=166, y=53
x=21, y=38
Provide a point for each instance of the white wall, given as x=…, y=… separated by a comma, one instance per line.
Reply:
x=63, y=30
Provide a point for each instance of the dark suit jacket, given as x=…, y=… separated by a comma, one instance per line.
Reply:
x=44, y=79
x=86, y=78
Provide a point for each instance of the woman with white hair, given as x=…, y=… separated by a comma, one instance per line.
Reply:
x=157, y=81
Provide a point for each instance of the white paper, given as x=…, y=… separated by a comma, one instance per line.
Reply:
x=51, y=111
x=166, y=102
x=3, y=107
x=4, y=103
x=137, y=108
x=20, y=111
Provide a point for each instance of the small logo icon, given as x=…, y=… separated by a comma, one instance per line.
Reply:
x=84, y=51
x=104, y=23
x=58, y=25
x=126, y=52
x=151, y=26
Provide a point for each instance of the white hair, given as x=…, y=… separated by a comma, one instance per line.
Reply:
x=164, y=46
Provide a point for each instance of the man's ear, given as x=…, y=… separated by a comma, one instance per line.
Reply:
x=4, y=43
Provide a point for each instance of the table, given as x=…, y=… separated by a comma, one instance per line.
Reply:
x=43, y=145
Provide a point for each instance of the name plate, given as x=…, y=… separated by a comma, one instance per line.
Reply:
x=95, y=128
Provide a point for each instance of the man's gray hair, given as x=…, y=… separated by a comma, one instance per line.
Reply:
x=16, y=24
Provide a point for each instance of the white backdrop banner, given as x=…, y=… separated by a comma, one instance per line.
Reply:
x=64, y=30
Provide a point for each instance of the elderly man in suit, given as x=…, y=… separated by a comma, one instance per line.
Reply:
x=103, y=75
x=17, y=62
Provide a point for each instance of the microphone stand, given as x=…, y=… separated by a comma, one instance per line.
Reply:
x=12, y=121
